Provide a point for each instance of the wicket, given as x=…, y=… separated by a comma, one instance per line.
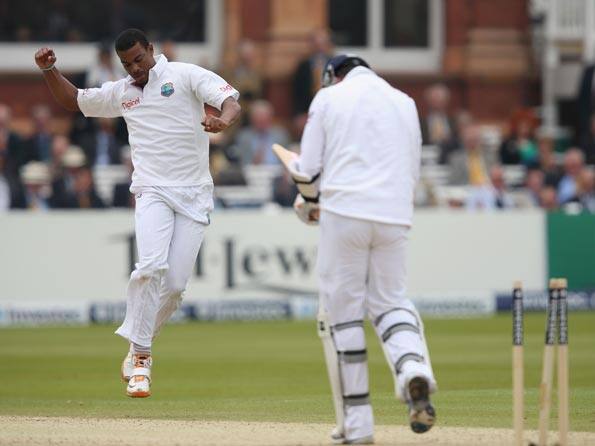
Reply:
x=556, y=335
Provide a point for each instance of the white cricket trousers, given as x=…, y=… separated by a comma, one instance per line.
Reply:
x=362, y=272
x=170, y=223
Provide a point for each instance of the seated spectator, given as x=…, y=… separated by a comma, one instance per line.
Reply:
x=438, y=127
x=534, y=183
x=225, y=170
x=122, y=197
x=65, y=164
x=574, y=162
x=520, y=146
x=103, y=69
x=284, y=190
x=547, y=159
x=470, y=164
x=84, y=195
x=548, y=198
x=587, y=142
x=585, y=190
x=38, y=146
x=253, y=143
x=12, y=150
x=36, y=178
x=492, y=196
x=102, y=147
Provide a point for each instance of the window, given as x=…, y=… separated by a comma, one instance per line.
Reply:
x=392, y=35
x=73, y=28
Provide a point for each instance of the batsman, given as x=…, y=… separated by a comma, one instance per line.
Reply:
x=356, y=173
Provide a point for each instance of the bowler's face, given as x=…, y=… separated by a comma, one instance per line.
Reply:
x=137, y=61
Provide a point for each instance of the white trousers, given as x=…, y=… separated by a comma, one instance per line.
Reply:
x=170, y=224
x=362, y=273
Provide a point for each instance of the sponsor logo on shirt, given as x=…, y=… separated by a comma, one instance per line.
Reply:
x=167, y=89
x=226, y=88
x=127, y=105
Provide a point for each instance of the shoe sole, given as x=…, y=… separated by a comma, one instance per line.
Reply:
x=138, y=394
x=424, y=415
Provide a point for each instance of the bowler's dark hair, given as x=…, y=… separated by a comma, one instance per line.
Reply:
x=129, y=37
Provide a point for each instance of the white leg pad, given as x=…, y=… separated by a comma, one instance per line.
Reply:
x=401, y=334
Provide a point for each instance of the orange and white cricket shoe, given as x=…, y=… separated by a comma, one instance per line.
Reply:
x=139, y=385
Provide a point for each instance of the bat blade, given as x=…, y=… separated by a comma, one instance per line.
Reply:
x=284, y=155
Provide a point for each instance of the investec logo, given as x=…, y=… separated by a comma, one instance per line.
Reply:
x=271, y=267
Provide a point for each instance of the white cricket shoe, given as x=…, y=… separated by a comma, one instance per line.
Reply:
x=338, y=437
x=127, y=366
x=422, y=415
x=139, y=385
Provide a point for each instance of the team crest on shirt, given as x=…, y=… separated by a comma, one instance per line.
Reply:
x=167, y=89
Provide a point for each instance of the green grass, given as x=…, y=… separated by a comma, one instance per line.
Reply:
x=274, y=371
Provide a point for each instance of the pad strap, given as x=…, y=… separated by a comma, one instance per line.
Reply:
x=356, y=400
x=401, y=326
x=353, y=356
x=346, y=325
x=407, y=357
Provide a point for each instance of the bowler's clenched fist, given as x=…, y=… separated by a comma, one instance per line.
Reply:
x=45, y=58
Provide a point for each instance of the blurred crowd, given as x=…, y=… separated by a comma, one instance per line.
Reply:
x=48, y=169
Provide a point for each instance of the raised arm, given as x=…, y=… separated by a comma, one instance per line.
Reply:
x=64, y=92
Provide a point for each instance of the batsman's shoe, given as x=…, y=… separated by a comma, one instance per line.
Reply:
x=421, y=412
x=338, y=437
x=127, y=367
x=139, y=385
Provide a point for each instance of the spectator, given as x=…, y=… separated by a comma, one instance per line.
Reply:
x=102, y=147
x=66, y=160
x=85, y=196
x=492, y=196
x=308, y=75
x=547, y=160
x=104, y=69
x=574, y=161
x=253, y=143
x=548, y=198
x=122, y=197
x=534, y=183
x=438, y=127
x=11, y=145
x=245, y=75
x=284, y=190
x=520, y=147
x=470, y=164
x=585, y=190
x=38, y=146
x=587, y=143
x=36, y=177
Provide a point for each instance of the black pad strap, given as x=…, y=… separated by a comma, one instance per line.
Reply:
x=353, y=356
x=356, y=400
x=401, y=326
x=379, y=318
x=350, y=324
x=407, y=357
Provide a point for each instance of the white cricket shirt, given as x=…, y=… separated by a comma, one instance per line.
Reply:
x=169, y=146
x=363, y=136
